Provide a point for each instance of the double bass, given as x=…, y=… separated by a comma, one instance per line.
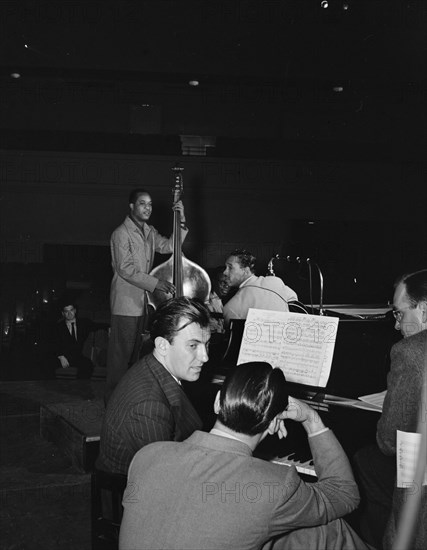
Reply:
x=188, y=278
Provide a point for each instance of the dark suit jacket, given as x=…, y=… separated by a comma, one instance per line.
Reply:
x=67, y=345
x=209, y=492
x=147, y=405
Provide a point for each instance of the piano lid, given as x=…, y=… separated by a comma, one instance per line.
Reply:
x=369, y=311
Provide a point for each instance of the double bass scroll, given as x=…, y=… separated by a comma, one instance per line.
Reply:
x=188, y=277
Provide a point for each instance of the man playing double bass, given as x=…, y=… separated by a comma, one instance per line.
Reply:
x=133, y=246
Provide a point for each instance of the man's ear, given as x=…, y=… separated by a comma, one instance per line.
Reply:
x=248, y=271
x=161, y=345
x=424, y=311
x=216, y=403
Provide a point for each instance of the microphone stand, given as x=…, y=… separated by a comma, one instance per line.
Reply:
x=319, y=271
x=310, y=264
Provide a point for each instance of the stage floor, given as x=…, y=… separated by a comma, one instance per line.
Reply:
x=45, y=500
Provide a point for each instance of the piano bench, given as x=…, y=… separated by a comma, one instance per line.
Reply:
x=106, y=509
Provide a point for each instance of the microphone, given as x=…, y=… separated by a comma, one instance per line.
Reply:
x=310, y=263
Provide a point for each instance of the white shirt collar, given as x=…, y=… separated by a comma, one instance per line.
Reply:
x=216, y=431
x=246, y=280
x=173, y=376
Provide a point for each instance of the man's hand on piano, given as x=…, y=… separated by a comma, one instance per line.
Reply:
x=301, y=412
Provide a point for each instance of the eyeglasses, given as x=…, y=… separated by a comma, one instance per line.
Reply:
x=398, y=313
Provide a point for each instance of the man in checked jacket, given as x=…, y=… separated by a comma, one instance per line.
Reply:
x=133, y=246
x=149, y=403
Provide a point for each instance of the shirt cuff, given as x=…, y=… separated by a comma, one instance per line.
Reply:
x=323, y=430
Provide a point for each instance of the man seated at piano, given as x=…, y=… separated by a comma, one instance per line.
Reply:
x=376, y=465
x=210, y=492
x=253, y=291
x=149, y=403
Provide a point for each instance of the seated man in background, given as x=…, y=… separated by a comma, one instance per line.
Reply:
x=376, y=465
x=220, y=293
x=253, y=292
x=71, y=335
x=217, y=298
x=149, y=403
x=209, y=492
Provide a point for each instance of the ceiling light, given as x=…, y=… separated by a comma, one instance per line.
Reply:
x=193, y=82
x=15, y=75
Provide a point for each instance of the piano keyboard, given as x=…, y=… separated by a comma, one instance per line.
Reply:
x=303, y=467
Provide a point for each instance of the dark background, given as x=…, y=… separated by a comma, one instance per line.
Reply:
x=306, y=136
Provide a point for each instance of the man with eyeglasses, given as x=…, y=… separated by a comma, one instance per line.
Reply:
x=410, y=303
x=376, y=466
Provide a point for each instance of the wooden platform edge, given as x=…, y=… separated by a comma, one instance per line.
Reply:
x=81, y=449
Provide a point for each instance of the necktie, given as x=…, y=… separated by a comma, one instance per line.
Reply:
x=73, y=330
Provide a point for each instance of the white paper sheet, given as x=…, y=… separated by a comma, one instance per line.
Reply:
x=407, y=455
x=301, y=345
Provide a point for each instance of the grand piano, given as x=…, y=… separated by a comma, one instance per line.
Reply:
x=360, y=365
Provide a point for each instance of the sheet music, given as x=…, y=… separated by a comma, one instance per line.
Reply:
x=407, y=453
x=301, y=345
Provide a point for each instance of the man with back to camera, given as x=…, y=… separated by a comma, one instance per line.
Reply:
x=209, y=492
x=253, y=292
x=149, y=403
x=406, y=393
x=133, y=246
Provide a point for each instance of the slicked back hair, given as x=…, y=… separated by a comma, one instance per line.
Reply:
x=416, y=286
x=134, y=194
x=251, y=396
x=245, y=258
x=167, y=320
